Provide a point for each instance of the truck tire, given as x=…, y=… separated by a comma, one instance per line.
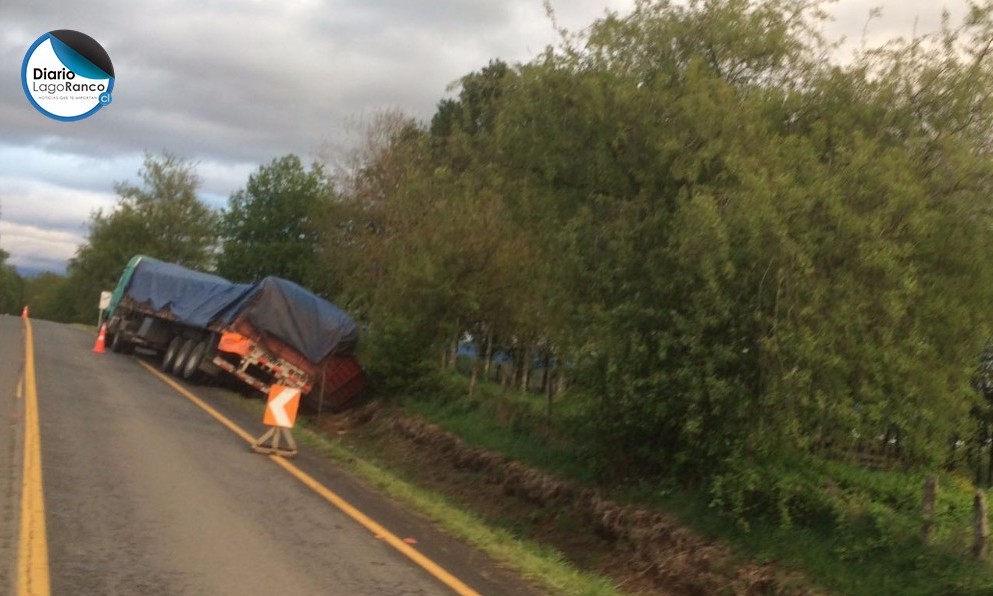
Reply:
x=119, y=343
x=182, y=356
x=169, y=358
x=193, y=361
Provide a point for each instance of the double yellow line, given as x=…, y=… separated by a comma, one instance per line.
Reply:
x=32, y=558
x=32, y=554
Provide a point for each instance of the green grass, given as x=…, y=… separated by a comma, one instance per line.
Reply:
x=862, y=537
x=863, y=540
x=506, y=427
x=540, y=565
x=874, y=551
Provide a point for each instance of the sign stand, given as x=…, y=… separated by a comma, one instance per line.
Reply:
x=274, y=434
x=280, y=414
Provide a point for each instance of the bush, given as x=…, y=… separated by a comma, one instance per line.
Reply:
x=398, y=362
x=789, y=491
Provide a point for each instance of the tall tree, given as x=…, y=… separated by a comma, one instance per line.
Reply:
x=760, y=246
x=751, y=252
x=161, y=218
x=270, y=226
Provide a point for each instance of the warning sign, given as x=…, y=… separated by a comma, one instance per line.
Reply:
x=281, y=409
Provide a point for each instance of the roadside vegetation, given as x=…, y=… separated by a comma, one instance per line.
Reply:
x=688, y=255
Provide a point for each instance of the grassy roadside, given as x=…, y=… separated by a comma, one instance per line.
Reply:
x=860, y=534
x=538, y=564
x=868, y=544
x=541, y=565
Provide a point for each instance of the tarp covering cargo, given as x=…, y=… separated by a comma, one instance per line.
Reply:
x=193, y=298
x=311, y=325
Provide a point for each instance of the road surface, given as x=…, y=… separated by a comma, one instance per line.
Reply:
x=145, y=493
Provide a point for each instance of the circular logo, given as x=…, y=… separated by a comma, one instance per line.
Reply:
x=67, y=75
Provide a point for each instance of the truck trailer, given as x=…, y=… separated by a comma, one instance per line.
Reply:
x=273, y=332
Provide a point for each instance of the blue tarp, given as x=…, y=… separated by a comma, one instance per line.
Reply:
x=311, y=325
x=194, y=298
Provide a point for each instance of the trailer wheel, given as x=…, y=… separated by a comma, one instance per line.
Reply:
x=118, y=344
x=184, y=354
x=194, y=360
x=170, y=354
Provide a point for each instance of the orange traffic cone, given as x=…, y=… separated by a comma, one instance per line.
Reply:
x=24, y=313
x=101, y=340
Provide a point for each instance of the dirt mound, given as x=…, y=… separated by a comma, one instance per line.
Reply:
x=647, y=551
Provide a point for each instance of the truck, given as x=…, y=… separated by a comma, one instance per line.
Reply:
x=273, y=332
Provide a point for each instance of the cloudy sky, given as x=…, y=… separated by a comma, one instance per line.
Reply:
x=232, y=84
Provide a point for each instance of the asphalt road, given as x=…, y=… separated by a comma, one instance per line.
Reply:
x=144, y=493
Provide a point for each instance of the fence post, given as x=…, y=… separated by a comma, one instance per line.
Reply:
x=927, y=505
x=980, y=525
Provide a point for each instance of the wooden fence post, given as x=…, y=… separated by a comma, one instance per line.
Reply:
x=927, y=505
x=980, y=525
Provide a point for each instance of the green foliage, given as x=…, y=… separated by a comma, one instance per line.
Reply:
x=746, y=254
x=11, y=286
x=848, y=529
x=743, y=250
x=507, y=422
x=269, y=227
x=50, y=297
x=758, y=246
x=396, y=359
x=11, y=289
x=162, y=218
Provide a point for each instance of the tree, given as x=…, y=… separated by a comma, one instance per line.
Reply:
x=162, y=218
x=50, y=297
x=270, y=226
x=764, y=253
x=11, y=286
x=747, y=253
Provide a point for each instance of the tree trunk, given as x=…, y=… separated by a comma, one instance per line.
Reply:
x=927, y=507
x=560, y=380
x=488, y=355
x=549, y=396
x=989, y=468
x=545, y=375
x=981, y=530
x=979, y=456
x=453, y=351
x=475, y=375
x=526, y=370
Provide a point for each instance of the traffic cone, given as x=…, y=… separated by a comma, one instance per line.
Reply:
x=24, y=313
x=101, y=340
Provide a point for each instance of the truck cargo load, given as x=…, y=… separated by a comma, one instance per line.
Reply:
x=270, y=332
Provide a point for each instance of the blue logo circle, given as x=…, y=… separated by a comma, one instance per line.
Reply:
x=67, y=75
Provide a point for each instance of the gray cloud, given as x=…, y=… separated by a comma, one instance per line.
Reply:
x=232, y=84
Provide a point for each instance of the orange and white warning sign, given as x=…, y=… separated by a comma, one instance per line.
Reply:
x=281, y=409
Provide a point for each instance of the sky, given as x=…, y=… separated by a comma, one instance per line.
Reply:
x=233, y=84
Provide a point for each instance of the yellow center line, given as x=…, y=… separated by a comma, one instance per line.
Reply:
x=32, y=553
x=379, y=531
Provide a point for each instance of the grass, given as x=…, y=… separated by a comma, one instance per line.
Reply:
x=538, y=564
x=871, y=552
x=541, y=565
x=865, y=542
